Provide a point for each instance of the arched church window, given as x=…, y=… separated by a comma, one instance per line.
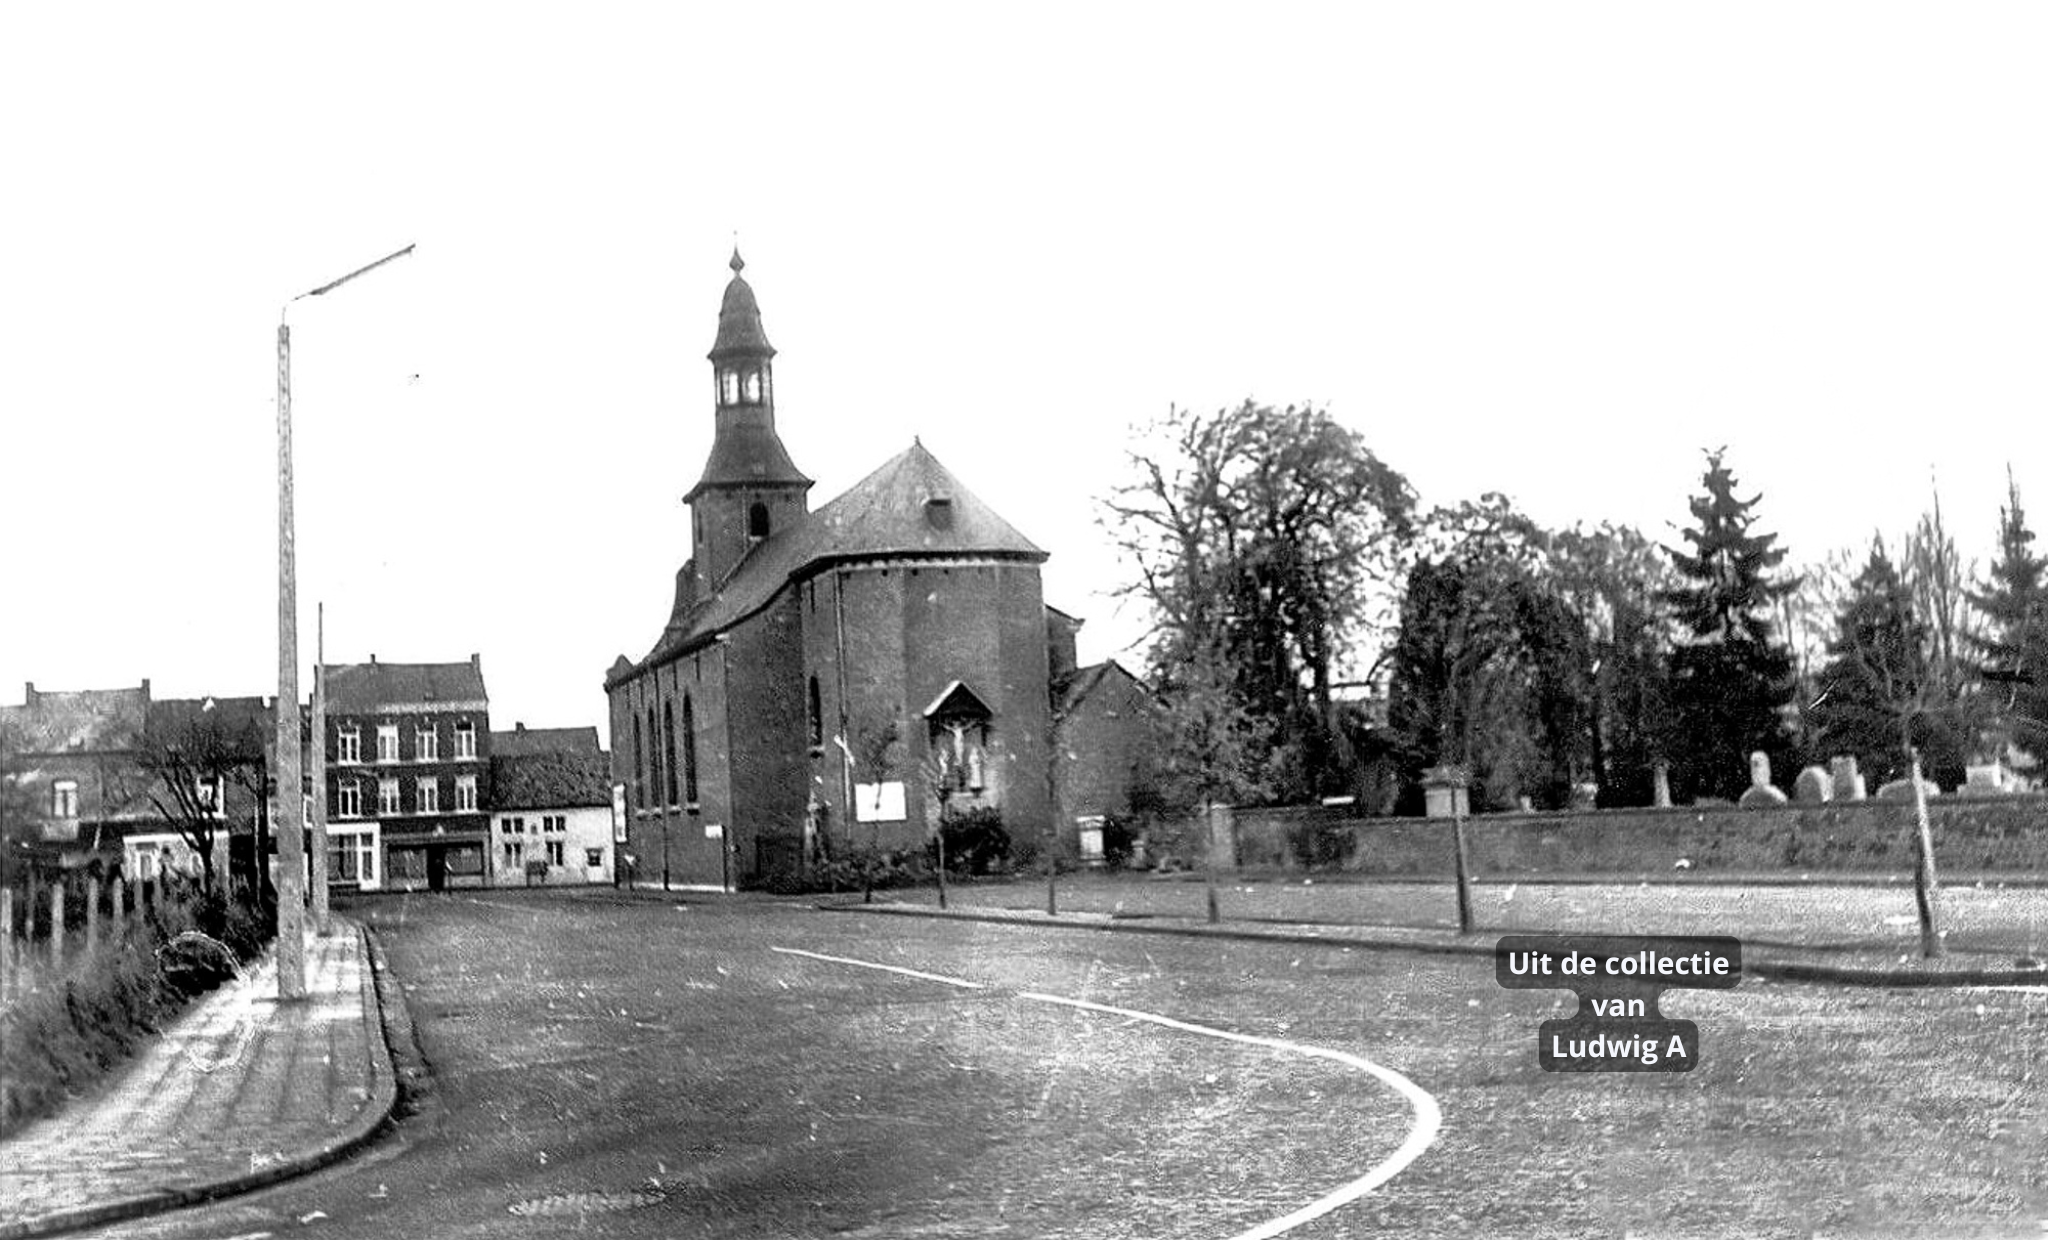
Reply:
x=689, y=751
x=753, y=387
x=728, y=387
x=668, y=722
x=639, y=767
x=653, y=758
x=817, y=718
x=757, y=520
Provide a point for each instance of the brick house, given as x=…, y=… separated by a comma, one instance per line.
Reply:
x=408, y=774
x=822, y=674
x=551, y=807
x=74, y=760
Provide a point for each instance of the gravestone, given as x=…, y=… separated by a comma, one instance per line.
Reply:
x=1760, y=792
x=1902, y=790
x=1660, y=784
x=1987, y=780
x=1585, y=796
x=1814, y=786
x=1848, y=780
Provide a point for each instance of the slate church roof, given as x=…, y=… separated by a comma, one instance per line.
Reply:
x=912, y=507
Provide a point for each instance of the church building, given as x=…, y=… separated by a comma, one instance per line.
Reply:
x=832, y=677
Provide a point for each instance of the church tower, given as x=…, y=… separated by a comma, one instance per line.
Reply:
x=750, y=489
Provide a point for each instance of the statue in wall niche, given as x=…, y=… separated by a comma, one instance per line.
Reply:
x=1760, y=791
x=1814, y=786
x=1847, y=779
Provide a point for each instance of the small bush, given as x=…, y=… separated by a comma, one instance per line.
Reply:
x=976, y=843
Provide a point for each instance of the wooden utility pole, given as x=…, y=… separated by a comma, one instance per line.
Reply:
x=291, y=809
x=316, y=771
x=291, y=806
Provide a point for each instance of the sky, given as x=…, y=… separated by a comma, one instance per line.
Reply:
x=1554, y=251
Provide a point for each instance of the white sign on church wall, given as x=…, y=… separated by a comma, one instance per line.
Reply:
x=878, y=802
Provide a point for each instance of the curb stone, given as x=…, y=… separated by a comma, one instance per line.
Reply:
x=367, y=1122
x=1777, y=970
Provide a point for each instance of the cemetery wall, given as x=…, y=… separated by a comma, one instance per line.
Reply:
x=2002, y=834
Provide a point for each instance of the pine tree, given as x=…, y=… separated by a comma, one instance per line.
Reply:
x=2013, y=654
x=1731, y=676
x=1875, y=685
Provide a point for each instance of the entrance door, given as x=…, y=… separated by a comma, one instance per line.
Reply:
x=437, y=869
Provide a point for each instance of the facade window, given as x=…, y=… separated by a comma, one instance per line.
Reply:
x=208, y=798
x=465, y=739
x=757, y=520
x=465, y=794
x=689, y=751
x=593, y=857
x=348, y=744
x=515, y=854
x=639, y=767
x=348, y=799
x=668, y=723
x=387, y=742
x=426, y=744
x=816, y=709
x=427, y=795
x=64, y=799
x=728, y=387
x=753, y=387
x=554, y=823
x=653, y=758
x=387, y=796
x=555, y=852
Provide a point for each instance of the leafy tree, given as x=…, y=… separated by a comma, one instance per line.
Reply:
x=1610, y=579
x=1470, y=651
x=191, y=758
x=1731, y=676
x=1261, y=539
x=2012, y=653
x=1874, y=690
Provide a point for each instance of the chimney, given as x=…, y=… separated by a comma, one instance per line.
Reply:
x=145, y=688
x=28, y=695
x=519, y=727
x=373, y=658
x=476, y=659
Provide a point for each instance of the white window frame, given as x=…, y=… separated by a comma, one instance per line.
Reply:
x=465, y=794
x=465, y=739
x=348, y=744
x=387, y=752
x=426, y=792
x=210, y=794
x=556, y=856
x=64, y=799
x=426, y=744
x=388, y=803
x=348, y=799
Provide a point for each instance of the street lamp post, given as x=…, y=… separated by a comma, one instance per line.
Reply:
x=291, y=809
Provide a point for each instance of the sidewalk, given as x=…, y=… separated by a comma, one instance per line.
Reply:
x=240, y=1091
x=1777, y=961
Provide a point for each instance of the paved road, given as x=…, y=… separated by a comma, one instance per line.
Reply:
x=656, y=1068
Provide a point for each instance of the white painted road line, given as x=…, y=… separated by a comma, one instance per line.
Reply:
x=1429, y=1118
x=887, y=968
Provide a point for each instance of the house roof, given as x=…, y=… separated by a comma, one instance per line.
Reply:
x=887, y=514
x=79, y=720
x=522, y=741
x=1075, y=687
x=244, y=722
x=358, y=687
x=557, y=779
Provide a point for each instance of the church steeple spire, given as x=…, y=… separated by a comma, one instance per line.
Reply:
x=749, y=487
